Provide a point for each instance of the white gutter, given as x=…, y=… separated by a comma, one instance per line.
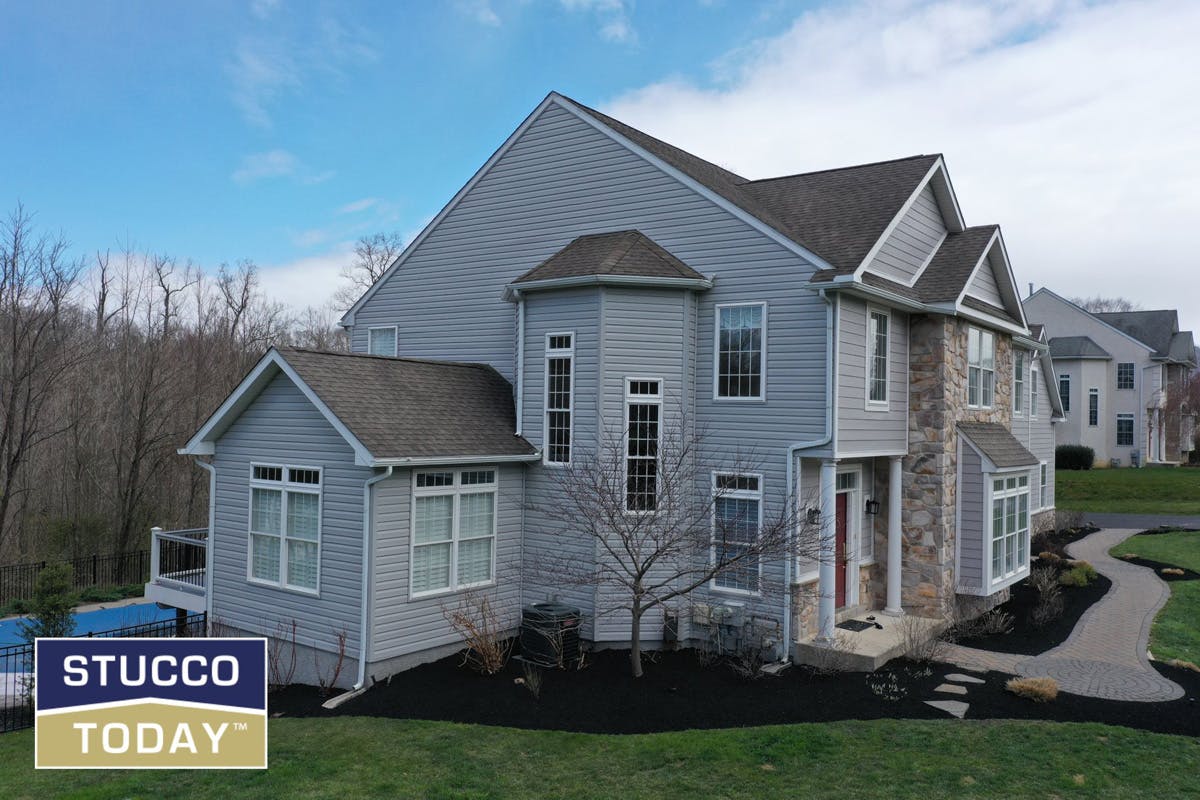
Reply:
x=366, y=576
x=513, y=291
x=520, y=371
x=431, y=461
x=830, y=397
x=208, y=545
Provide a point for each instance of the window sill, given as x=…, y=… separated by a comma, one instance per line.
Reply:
x=283, y=588
x=466, y=587
x=717, y=399
x=734, y=592
x=874, y=405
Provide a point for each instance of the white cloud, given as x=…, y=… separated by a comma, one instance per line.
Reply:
x=309, y=281
x=612, y=15
x=271, y=164
x=261, y=70
x=1073, y=125
x=357, y=206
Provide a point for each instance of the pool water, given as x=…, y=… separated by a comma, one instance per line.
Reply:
x=104, y=619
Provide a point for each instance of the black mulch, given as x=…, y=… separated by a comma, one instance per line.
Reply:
x=1056, y=541
x=1159, y=566
x=1025, y=638
x=679, y=693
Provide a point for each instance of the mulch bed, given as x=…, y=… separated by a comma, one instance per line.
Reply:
x=1056, y=541
x=678, y=692
x=1159, y=566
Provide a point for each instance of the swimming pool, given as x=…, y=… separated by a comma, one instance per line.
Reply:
x=103, y=619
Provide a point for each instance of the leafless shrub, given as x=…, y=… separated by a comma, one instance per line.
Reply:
x=1049, y=607
x=834, y=657
x=922, y=643
x=533, y=678
x=1049, y=555
x=1068, y=520
x=326, y=681
x=1039, y=690
x=478, y=622
x=281, y=655
x=989, y=623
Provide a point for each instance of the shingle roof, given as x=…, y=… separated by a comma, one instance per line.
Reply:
x=1156, y=329
x=1076, y=347
x=1183, y=348
x=997, y=443
x=1035, y=331
x=402, y=407
x=629, y=253
x=947, y=274
x=837, y=214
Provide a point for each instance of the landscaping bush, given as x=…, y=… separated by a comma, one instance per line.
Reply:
x=50, y=612
x=1050, y=602
x=1073, y=456
x=1039, y=690
x=1081, y=573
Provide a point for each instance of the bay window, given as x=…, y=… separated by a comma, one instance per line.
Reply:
x=1009, y=532
x=453, y=530
x=285, y=526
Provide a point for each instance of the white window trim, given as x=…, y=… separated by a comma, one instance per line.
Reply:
x=716, y=360
x=981, y=368
x=1043, y=486
x=712, y=550
x=1066, y=398
x=1019, y=385
x=1093, y=392
x=992, y=583
x=395, y=340
x=642, y=399
x=558, y=353
x=1132, y=429
x=458, y=490
x=283, y=486
x=1035, y=397
x=885, y=403
x=1133, y=373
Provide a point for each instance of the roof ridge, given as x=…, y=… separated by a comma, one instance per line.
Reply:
x=409, y=359
x=628, y=239
x=842, y=169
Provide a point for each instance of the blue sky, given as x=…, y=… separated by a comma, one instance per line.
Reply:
x=281, y=131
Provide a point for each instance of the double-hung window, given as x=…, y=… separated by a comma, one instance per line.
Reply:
x=381, y=341
x=560, y=394
x=1018, y=382
x=643, y=431
x=1125, y=375
x=1093, y=407
x=285, y=526
x=1033, y=392
x=737, y=518
x=740, y=351
x=1064, y=391
x=1124, y=430
x=878, y=331
x=453, y=530
x=981, y=368
x=1010, y=526
x=1044, y=487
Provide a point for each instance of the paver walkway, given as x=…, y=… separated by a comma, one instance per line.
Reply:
x=1105, y=656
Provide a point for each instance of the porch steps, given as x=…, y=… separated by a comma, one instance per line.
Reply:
x=866, y=650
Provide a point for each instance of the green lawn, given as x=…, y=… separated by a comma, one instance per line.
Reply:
x=361, y=757
x=1153, y=490
x=1176, y=631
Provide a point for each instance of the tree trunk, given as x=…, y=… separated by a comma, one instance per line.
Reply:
x=635, y=640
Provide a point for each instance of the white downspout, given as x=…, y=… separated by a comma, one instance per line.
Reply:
x=209, y=544
x=366, y=575
x=793, y=449
x=520, y=371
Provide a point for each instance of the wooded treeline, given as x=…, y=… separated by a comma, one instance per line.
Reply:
x=107, y=366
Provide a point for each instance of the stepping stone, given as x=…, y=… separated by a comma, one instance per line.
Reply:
x=954, y=708
x=951, y=688
x=958, y=677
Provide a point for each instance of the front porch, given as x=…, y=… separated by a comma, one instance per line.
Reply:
x=880, y=638
x=179, y=568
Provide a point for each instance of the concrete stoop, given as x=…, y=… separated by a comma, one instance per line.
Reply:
x=866, y=650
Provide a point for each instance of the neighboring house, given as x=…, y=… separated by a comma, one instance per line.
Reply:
x=1122, y=377
x=845, y=326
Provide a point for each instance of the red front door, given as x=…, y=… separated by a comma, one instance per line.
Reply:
x=840, y=562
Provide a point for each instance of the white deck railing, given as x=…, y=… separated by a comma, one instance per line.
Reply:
x=178, y=559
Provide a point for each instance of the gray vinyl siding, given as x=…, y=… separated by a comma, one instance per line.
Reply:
x=400, y=626
x=1041, y=441
x=912, y=241
x=282, y=427
x=861, y=429
x=972, y=530
x=984, y=286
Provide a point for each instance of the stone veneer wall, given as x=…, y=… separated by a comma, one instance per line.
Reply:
x=937, y=402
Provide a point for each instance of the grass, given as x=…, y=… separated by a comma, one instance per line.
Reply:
x=1176, y=633
x=1153, y=490
x=352, y=757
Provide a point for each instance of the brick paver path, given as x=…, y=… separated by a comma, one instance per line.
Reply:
x=1105, y=656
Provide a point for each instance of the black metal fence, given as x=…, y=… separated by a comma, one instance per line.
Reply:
x=16, y=665
x=17, y=580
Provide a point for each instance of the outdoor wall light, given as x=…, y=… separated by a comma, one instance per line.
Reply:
x=872, y=507
x=814, y=516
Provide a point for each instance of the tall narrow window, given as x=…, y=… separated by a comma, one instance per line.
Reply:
x=381, y=341
x=737, y=516
x=643, y=413
x=1033, y=392
x=1010, y=526
x=1093, y=407
x=981, y=368
x=1018, y=381
x=877, y=360
x=285, y=525
x=1044, y=487
x=1064, y=391
x=740, y=351
x=1125, y=376
x=1124, y=430
x=453, y=530
x=560, y=395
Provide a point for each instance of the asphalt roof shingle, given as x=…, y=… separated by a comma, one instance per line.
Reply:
x=947, y=274
x=627, y=253
x=997, y=443
x=1076, y=347
x=1157, y=329
x=403, y=407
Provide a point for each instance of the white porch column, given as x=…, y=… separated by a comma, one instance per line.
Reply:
x=828, y=570
x=895, y=552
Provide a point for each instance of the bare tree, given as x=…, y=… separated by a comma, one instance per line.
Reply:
x=659, y=526
x=317, y=328
x=1100, y=305
x=372, y=256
